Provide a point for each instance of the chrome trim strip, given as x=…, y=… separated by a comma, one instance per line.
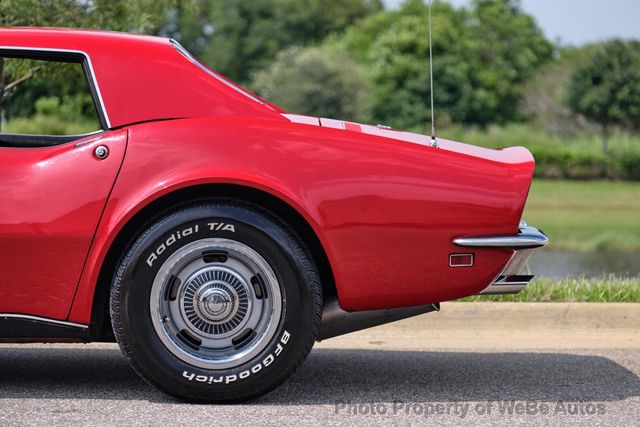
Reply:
x=97, y=134
x=518, y=262
x=98, y=93
x=94, y=80
x=506, y=286
x=197, y=63
x=528, y=238
x=509, y=281
x=42, y=319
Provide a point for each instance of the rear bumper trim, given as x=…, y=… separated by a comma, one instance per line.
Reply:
x=527, y=238
x=507, y=285
x=510, y=281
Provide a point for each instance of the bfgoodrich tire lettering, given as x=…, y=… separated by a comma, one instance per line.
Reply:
x=216, y=302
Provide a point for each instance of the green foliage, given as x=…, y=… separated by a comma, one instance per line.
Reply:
x=48, y=125
x=565, y=163
x=140, y=16
x=316, y=81
x=544, y=100
x=239, y=37
x=41, y=95
x=531, y=136
x=606, y=89
x=59, y=79
x=52, y=117
x=398, y=72
x=72, y=107
x=576, y=289
x=482, y=57
x=506, y=48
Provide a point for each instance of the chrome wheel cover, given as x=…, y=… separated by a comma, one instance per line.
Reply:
x=215, y=303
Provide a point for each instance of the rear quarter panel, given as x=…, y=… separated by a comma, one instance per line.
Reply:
x=385, y=210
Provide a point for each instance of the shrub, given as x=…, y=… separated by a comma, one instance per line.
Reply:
x=316, y=81
x=563, y=163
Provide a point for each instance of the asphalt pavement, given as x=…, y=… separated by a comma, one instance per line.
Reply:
x=430, y=369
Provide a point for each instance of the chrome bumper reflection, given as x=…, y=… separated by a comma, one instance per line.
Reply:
x=510, y=281
x=523, y=244
x=527, y=238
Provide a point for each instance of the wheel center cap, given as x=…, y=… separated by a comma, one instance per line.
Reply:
x=215, y=305
x=216, y=301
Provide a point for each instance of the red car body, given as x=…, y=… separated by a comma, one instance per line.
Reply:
x=381, y=207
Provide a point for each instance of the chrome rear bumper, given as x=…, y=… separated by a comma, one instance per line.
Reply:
x=527, y=238
x=523, y=244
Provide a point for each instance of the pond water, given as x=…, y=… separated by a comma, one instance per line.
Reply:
x=560, y=264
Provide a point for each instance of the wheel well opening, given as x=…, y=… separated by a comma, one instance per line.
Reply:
x=100, y=318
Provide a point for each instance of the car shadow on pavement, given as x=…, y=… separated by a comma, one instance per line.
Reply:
x=333, y=375
x=364, y=376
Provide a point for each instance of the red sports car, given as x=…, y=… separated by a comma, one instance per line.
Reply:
x=148, y=200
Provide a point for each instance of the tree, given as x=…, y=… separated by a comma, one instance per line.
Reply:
x=606, y=88
x=318, y=81
x=240, y=37
x=505, y=48
x=399, y=69
x=544, y=102
x=138, y=16
x=482, y=58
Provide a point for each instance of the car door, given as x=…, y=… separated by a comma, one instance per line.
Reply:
x=58, y=164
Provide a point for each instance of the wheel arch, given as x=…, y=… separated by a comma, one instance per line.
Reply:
x=100, y=320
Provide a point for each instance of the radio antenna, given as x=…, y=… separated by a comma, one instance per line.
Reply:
x=434, y=142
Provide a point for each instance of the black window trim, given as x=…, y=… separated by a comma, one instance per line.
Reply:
x=58, y=55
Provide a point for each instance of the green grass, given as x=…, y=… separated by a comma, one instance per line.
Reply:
x=586, y=215
x=603, y=289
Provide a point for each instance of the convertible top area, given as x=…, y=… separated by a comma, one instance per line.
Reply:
x=142, y=78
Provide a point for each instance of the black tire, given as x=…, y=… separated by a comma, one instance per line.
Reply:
x=168, y=361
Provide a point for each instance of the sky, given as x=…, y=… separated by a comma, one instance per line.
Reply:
x=576, y=22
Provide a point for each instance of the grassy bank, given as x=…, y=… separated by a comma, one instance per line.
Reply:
x=587, y=215
x=603, y=289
